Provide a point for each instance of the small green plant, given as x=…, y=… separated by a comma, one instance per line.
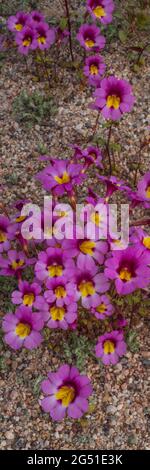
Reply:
x=132, y=341
x=33, y=108
x=10, y=8
x=78, y=348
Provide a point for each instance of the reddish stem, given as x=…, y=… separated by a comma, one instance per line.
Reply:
x=69, y=28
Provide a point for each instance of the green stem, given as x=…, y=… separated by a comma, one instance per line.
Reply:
x=46, y=71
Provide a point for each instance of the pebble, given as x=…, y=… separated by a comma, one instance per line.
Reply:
x=10, y=435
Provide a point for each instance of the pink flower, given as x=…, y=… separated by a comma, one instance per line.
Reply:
x=26, y=39
x=45, y=36
x=16, y=23
x=7, y=233
x=94, y=69
x=103, y=309
x=52, y=263
x=143, y=191
x=61, y=291
x=28, y=294
x=14, y=263
x=101, y=10
x=61, y=177
x=89, y=282
x=22, y=329
x=110, y=347
x=129, y=268
x=66, y=392
x=90, y=38
x=57, y=316
x=113, y=98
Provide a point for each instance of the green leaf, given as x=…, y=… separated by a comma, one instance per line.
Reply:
x=63, y=23
x=122, y=36
x=132, y=341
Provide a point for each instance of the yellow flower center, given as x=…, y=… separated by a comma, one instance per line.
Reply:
x=101, y=308
x=17, y=264
x=89, y=43
x=60, y=292
x=18, y=26
x=57, y=313
x=66, y=394
x=117, y=242
x=22, y=330
x=3, y=236
x=62, y=213
x=125, y=274
x=49, y=232
x=28, y=299
x=86, y=288
x=21, y=218
x=148, y=192
x=93, y=69
x=41, y=40
x=87, y=247
x=64, y=179
x=109, y=347
x=113, y=101
x=96, y=218
x=146, y=242
x=99, y=12
x=55, y=270
x=26, y=42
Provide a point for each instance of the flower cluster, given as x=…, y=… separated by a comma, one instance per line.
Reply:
x=31, y=31
x=114, y=96
x=71, y=271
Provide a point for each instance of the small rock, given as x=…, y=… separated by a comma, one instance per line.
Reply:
x=10, y=435
x=111, y=409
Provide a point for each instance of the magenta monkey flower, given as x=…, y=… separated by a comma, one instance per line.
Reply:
x=141, y=239
x=36, y=17
x=61, y=291
x=62, y=35
x=7, y=233
x=94, y=69
x=16, y=23
x=113, y=98
x=26, y=40
x=113, y=184
x=22, y=329
x=94, y=248
x=103, y=309
x=101, y=10
x=89, y=282
x=121, y=322
x=52, y=263
x=78, y=152
x=14, y=263
x=135, y=199
x=92, y=155
x=143, y=190
x=110, y=347
x=45, y=36
x=27, y=294
x=60, y=316
x=66, y=392
x=90, y=38
x=129, y=268
x=61, y=177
